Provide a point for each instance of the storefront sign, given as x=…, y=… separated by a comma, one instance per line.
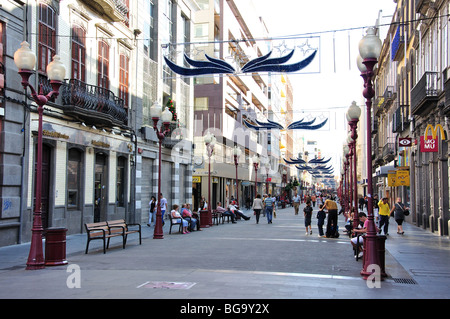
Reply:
x=196, y=179
x=429, y=144
x=405, y=142
x=434, y=131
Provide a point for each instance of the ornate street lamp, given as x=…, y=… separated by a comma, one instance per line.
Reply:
x=256, y=162
x=166, y=117
x=25, y=60
x=346, y=151
x=236, y=154
x=369, y=50
x=210, y=141
x=353, y=114
x=351, y=170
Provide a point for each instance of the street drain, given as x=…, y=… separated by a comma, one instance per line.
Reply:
x=167, y=285
x=406, y=281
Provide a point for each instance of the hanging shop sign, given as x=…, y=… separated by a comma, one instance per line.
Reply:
x=405, y=142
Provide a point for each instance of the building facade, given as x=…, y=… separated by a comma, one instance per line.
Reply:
x=99, y=146
x=412, y=86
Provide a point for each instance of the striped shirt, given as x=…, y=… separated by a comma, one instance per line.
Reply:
x=268, y=201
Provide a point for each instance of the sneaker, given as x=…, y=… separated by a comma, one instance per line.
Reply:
x=360, y=254
x=306, y=234
x=310, y=232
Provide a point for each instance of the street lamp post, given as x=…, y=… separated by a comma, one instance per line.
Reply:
x=255, y=165
x=346, y=151
x=166, y=117
x=210, y=141
x=353, y=114
x=25, y=61
x=236, y=154
x=369, y=50
x=267, y=167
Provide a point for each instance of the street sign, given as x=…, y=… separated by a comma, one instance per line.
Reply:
x=405, y=141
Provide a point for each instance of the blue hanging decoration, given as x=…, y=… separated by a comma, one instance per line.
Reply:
x=264, y=126
x=319, y=161
x=295, y=161
x=261, y=64
x=300, y=125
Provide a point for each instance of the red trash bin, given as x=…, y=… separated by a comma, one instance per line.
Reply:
x=55, y=246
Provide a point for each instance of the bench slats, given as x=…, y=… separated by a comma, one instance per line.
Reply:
x=107, y=230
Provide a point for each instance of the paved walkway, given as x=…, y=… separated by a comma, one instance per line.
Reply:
x=240, y=261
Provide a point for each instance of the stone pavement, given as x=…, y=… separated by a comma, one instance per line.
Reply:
x=240, y=261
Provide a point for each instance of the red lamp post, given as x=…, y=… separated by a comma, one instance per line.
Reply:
x=353, y=114
x=267, y=167
x=236, y=154
x=25, y=61
x=210, y=141
x=255, y=165
x=166, y=117
x=369, y=50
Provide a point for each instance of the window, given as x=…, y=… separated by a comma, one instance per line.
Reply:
x=123, y=78
x=149, y=30
x=47, y=36
x=78, y=53
x=74, y=178
x=103, y=65
x=120, y=187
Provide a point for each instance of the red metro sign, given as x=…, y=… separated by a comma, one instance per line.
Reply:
x=428, y=145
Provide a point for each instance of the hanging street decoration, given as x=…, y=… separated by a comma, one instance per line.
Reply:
x=263, y=126
x=300, y=125
x=260, y=64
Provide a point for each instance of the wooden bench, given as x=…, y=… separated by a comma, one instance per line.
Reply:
x=107, y=230
x=173, y=223
x=216, y=216
x=116, y=226
x=101, y=231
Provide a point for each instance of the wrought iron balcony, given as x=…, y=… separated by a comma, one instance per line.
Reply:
x=424, y=93
x=388, y=152
x=93, y=104
x=116, y=10
x=447, y=92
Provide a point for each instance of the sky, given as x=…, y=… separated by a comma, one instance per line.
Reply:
x=337, y=82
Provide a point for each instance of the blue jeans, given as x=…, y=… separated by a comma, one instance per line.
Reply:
x=269, y=213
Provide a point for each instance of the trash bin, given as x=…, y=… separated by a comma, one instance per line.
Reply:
x=205, y=219
x=55, y=246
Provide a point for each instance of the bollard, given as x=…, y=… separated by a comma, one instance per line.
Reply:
x=55, y=247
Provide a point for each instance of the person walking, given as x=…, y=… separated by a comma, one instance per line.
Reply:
x=152, y=211
x=331, y=207
x=257, y=206
x=321, y=220
x=296, y=200
x=400, y=211
x=268, y=206
x=307, y=213
x=384, y=213
x=163, y=205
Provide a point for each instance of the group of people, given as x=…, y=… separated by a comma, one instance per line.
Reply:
x=266, y=205
x=190, y=220
x=382, y=213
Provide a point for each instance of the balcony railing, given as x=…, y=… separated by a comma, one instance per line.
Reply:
x=388, y=151
x=424, y=92
x=93, y=104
